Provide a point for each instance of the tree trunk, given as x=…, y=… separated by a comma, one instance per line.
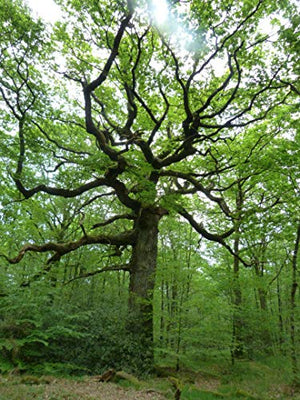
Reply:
x=141, y=287
x=237, y=350
x=262, y=299
x=237, y=339
x=259, y=261
x=162, y=316
x=294, y=286
x=280, y=319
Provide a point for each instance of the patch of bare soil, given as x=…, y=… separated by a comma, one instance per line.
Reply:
x=101, y=390
x=206, y=383
x=63, y=389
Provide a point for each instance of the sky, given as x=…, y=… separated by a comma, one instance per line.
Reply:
x=45, y=9
x=49, y=11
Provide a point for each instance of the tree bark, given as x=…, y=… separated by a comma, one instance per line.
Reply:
x=141, y=285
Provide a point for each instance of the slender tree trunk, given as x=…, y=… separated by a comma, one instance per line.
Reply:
x=237, y=341
x=91, y=294
x=280, y=319
x=262, y=293
x=179, y=329
x=293, y=309
x=119, y=283
x=141, y=285
x=162, y=317
x=174, y=311
x=168, y=308
x=237, y=323
x=262, y=299
x=259, y=261
x=266, y=334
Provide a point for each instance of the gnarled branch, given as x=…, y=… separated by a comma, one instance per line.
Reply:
x=212, y=236
x=60, y=249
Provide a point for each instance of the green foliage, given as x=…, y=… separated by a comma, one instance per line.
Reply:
x=193, y=394
x=27, y=343
x=64, y=338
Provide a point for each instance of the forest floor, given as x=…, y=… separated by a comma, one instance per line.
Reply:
x=250, y=381
x=51, y=388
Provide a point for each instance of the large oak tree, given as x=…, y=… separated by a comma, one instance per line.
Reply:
x=113, y=104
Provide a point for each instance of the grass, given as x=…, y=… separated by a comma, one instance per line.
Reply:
x=246, y=380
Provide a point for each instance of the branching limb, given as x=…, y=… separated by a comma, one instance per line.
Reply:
x=123, y=267
x=92, y=86
x=113, y=219
x=211, y=236
x=200, y=229
x=161, y=120
x=219, y=200
x=94, y=198
x=67, y=193
x=278, y=273
x=113, y=54
x=109, y=181
x=58, y=145
x=146, y=107
x=222, y=88
x=184, y=87
x=60, y=249
x=291, y=85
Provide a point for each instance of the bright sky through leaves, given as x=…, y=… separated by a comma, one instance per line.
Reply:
x=47, y=10
x=160, y=11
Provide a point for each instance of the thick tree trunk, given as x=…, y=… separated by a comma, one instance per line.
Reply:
x=141, y=286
